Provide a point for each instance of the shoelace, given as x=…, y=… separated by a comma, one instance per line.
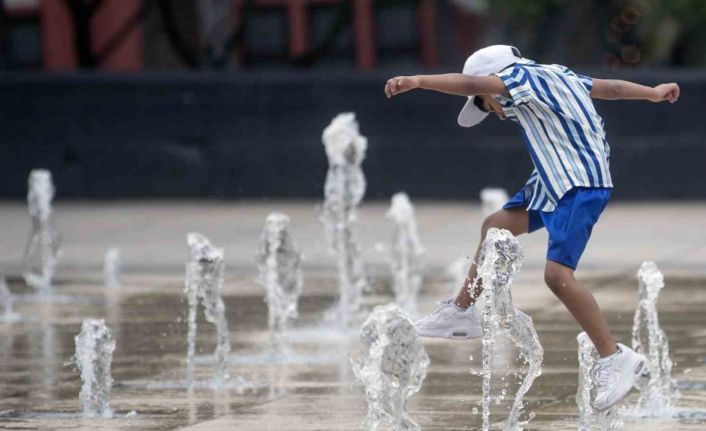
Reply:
x=602, y=374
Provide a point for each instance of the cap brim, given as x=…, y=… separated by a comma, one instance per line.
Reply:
x=470, y=114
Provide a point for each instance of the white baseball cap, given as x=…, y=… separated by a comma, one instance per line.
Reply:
x=484, y=62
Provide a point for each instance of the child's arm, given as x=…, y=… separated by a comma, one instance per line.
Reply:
x=614, y=89
x=449, y=83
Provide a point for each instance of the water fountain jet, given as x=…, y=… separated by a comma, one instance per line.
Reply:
x=659, y=392
x=42, y=249
x=343, y=191
x=94, y=354
x=499, y=262
x=280, y=274
x=406, y=253
x=392, y=367
x=204, y=280
x=492, y=200
x=111, y=268
x=591, y=419
x=7, y=300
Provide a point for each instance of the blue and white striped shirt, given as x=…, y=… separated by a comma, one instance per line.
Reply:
x=563, y=131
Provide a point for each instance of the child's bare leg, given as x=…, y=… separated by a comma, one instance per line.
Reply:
x=516, y=220
x=582, y=305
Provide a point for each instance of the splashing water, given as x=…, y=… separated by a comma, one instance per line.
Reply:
x=658, y=393
x=204, y=280
x=492, y=199
x=43, y=246
x=94, y=353
x=111, y=268
x=407, y=251
x=278, y=262
x=589, y=418
x=343, y=191
x=500, y=260
x=7, y=301
x=392, y=367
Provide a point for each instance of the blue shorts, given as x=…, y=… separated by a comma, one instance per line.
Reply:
x=570, y=224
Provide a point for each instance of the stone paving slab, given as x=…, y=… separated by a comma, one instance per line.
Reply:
x=38, y=391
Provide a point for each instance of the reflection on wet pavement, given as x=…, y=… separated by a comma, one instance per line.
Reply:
x=39, y=388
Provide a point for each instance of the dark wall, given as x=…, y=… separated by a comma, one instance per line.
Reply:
x=241, y=135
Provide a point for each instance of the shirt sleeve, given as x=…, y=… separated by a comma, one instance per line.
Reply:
x=586, y=81
x=517, y=83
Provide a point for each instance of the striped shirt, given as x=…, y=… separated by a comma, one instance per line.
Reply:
x=561, y=128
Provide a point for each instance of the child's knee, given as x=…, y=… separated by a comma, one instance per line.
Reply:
x=490, y=221
x=556, y=276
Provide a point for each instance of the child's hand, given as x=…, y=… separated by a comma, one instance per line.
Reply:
x=666, y=92
x=400, y=84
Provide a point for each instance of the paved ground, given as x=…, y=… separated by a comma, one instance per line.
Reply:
x=316, y=392
x=152, y=235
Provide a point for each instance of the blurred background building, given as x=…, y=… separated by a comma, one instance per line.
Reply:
x=227, y=98
x=134, y=35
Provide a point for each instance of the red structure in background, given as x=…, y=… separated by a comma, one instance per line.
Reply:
x=58, y=48
x=468, y=31
x=363, y=26
x=108, y=20
x=57, y=34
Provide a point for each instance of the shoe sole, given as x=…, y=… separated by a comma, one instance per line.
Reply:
x=637, y=369
x=450, y=334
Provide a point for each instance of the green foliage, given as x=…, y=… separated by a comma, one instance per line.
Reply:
x=689, y=12
x=686, y=17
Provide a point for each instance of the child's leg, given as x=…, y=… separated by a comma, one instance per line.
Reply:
x=516, y=220
x=582, y=305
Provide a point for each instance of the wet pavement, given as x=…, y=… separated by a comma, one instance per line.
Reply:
x=314, y=390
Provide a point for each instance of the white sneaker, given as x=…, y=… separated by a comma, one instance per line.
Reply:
x=615, y=375
x=450, y=321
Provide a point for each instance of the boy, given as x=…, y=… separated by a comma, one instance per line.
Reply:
x=566, y=193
